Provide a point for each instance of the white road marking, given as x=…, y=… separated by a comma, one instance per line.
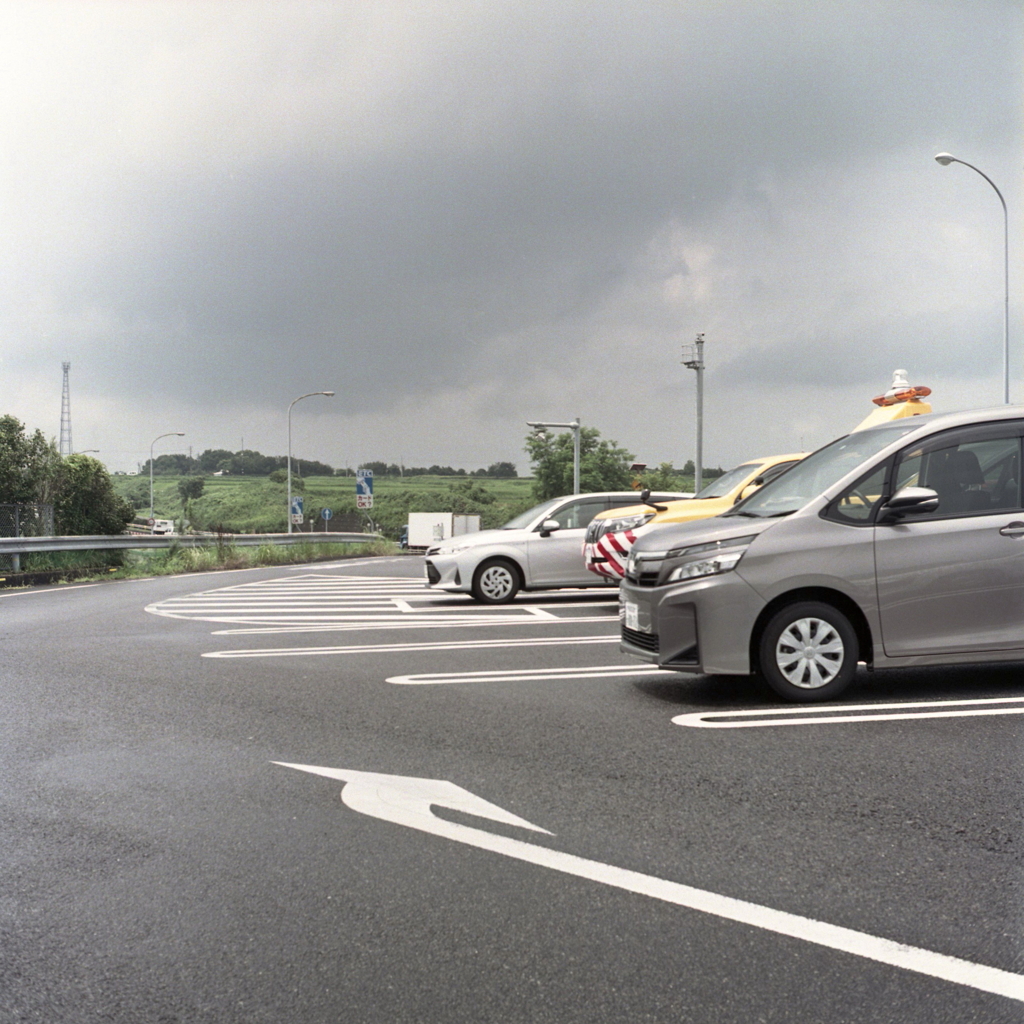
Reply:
x=409, y=802
x=390, y=623
x=521, y=675
x=835, y=714
x=334, y=601
x=51, y=590
x=434, y=645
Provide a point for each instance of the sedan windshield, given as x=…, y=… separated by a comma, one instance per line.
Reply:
x=522, y=521
x=818, y=472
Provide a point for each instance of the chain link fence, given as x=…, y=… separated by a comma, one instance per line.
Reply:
x=23, y=521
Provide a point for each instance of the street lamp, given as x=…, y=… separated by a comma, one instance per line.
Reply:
x=328, y=394
x=575, y=428
x=946, y=159
x=173, y=433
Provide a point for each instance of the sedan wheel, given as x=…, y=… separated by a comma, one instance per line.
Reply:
x=808, y=652
x=496, y=582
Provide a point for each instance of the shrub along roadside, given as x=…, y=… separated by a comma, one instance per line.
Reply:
x=87, y=565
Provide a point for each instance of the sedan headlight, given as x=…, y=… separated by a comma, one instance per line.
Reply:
x=451, y=549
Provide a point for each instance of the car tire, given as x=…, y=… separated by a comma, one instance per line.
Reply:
x=496, y=581
x=808, y=652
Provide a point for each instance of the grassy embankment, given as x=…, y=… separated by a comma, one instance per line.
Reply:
x=239, y=504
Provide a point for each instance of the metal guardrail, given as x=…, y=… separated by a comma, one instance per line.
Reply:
x=122, y=541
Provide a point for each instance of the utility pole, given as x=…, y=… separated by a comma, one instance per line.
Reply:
x=65, y=414
x=693, y=358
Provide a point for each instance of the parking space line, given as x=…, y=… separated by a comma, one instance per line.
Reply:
x=371, y=622
x=521, y=675
x=435, y=645
x=841, y=714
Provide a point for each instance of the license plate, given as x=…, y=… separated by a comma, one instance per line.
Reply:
x=632, y=616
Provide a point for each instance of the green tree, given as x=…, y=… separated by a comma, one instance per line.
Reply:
x=604, y=466
x=29, y=464
x=191, y=487
x=664, y=478
x=86, y=502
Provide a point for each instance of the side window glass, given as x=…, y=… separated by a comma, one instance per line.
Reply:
x=969, y=478
x=577, y=514
x=857, y=504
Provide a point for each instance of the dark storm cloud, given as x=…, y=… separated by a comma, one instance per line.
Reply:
x=512, y=186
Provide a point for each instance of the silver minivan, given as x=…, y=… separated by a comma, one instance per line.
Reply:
x=902, y=545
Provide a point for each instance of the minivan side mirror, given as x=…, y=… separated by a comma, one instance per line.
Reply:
x=909, y=501
x=549, y=526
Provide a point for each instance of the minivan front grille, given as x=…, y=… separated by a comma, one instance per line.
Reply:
x=645, y=641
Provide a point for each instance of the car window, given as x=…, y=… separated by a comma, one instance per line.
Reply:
x=773, y=471
x=970, y=478
x=721, y=486
x=577, y=514
x=857, y=504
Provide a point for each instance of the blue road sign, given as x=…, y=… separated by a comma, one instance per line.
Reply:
x=364, y=488
x=326, y=513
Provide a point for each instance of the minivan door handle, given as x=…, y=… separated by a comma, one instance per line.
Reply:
x=1013, y=530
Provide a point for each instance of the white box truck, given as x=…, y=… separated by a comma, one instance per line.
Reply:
x=429, y=528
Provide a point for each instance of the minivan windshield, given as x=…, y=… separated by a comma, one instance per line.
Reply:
x=721, y=486
x=522, y=521
x=818, y=472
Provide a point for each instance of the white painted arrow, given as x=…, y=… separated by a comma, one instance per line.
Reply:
x=408, y=801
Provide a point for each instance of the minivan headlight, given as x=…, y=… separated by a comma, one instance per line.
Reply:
x=718, y=557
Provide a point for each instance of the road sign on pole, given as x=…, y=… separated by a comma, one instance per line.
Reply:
x=325, y=514
x=364, y=488
x=297, y=515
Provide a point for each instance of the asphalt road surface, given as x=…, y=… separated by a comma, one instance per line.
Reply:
x=599, y=842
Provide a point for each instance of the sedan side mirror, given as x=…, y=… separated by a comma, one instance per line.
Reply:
x=549, y=526
x=909, y=501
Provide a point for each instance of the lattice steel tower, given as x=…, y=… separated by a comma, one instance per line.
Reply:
x=65, y=414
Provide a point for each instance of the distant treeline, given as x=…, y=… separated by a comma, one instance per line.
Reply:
x=496, y=470
x=252, y=463
x=243, y=463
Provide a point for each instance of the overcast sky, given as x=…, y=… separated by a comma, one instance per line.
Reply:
x=463, y=215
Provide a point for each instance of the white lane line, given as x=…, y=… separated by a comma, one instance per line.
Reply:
x=436, y=645
x=51, y=590
x=521, y=675
x=424, y=622
x=538, y=612
x=836, y=713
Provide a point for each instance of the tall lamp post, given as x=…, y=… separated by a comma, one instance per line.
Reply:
x=574, y=426
x=328, y=394
x=173, y=433
x=946, y=159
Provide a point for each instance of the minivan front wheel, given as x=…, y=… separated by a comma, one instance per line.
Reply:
x=808, y=652
x=496, y=582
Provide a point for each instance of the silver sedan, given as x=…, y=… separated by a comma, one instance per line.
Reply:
x=540, y=549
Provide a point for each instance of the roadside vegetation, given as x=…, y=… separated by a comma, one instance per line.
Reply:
x=250, y=494
x=83, y=566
